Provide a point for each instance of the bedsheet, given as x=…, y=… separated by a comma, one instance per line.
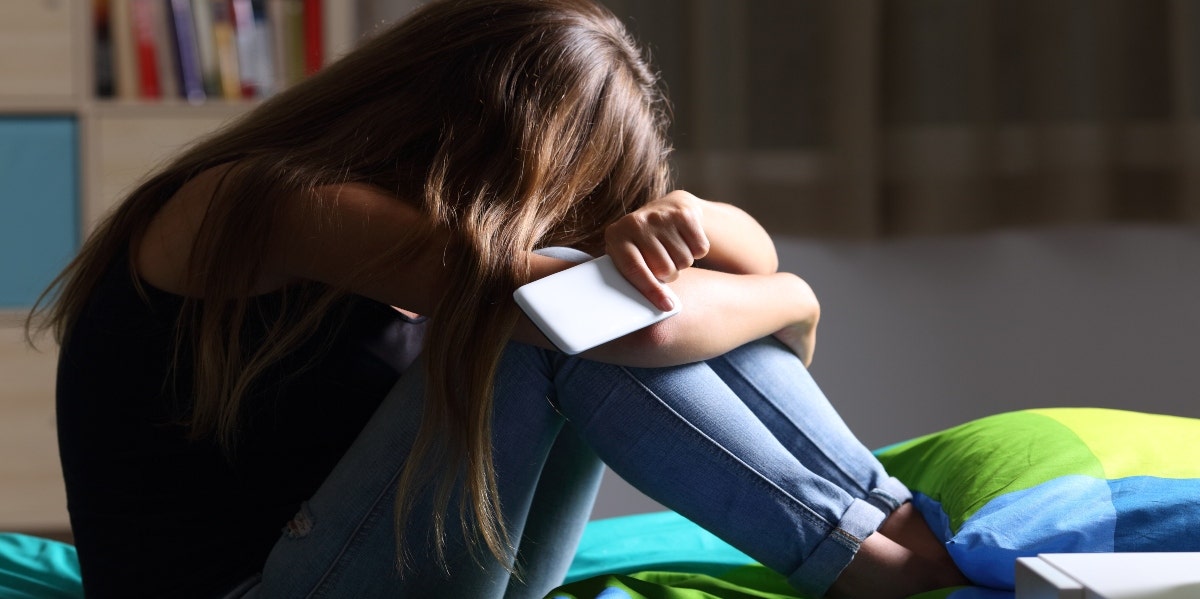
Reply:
x=36, y=568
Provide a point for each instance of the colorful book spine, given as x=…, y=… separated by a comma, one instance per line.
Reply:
x=314, y=38
x=187, y=50
x=254, y=47
x=225, y=39
x=200, y=50
x=288, y=23
x=210, y=71
x=145, y=46
x=244, y=34
x=276, y=16
x=168, y=57
x=263, y=53
x=125, y=62
x=103, y=56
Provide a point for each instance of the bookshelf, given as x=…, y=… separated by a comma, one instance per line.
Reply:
x=80, y=154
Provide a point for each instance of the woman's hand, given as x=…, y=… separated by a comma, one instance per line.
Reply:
x=651, y=245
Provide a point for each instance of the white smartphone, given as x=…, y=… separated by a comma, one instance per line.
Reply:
x=587, y=305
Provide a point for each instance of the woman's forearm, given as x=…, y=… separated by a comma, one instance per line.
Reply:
x=720, y=312
x=738, y=243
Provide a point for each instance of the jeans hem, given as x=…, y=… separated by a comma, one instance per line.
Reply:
x=889, y=495
x=833, y=554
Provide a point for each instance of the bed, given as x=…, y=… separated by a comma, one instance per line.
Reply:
x=1008, y=486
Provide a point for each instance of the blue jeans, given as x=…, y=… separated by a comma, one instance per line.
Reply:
x=744, y=445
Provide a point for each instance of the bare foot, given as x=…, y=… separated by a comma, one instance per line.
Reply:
x=907, y=527
x=885, y=569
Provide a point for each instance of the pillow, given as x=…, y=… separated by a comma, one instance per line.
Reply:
x=1065, y=480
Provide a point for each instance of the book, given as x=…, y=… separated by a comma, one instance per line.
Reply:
x=264, y=52
x=203, y=50
x=287, y=24
x=254, y=48
x=103, y=50
x=167, y=57
x=125, y=62
x=314, y=38
x=145, y=42
x=187, y=51
x=210, y=71
x=275, y=12
x=225, y=40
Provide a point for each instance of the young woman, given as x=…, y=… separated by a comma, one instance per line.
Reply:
x=241, y=351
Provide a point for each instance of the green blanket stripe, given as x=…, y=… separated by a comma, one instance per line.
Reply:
x=744, y=582
x=927, y=466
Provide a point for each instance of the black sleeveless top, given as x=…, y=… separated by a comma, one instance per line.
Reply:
x=154, y=514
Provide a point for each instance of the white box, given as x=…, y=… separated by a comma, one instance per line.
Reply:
x=1109, y=576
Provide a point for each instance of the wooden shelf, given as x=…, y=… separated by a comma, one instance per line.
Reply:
x=155, y=109
x=38, y=105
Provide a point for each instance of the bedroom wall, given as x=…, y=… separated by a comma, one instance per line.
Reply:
x=922, y=334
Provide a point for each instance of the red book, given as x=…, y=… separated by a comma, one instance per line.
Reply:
x=314, y=50
x=145, y=46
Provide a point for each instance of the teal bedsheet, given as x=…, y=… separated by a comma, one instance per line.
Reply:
x=35, y=568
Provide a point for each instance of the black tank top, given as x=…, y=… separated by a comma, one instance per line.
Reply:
x=154, y=514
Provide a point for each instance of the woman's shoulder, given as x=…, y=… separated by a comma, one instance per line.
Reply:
x=162, y=253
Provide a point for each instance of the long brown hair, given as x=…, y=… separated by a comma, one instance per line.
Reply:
x=514, y=124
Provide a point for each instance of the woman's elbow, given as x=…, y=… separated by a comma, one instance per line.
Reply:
x=660, y=345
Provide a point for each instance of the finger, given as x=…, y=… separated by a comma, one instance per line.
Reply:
x=630, y=264
x=697, y=242
x=665, y=249
x=660, y=248
x=663, y=263
x=690, y=230
x=681, y=254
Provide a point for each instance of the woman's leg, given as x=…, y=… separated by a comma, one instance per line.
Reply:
x=748, y=447
x=779, y=390
x=342, y=543
x=558, y=515
x=685, y=438
x=682, y=435
x=798, y=413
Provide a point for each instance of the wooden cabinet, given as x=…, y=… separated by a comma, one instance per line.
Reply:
x=38, y=230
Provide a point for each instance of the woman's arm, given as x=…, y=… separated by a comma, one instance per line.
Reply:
x=737, y=243
x=721, y=310
x=653, y=244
